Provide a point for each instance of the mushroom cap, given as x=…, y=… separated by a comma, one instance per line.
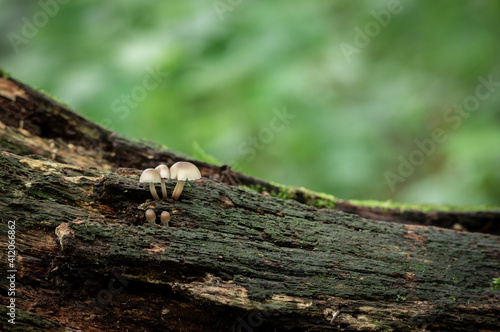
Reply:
x=183, y=171
x=163, y=170
x=150, y=175
x=165, y=217
x=150, y=215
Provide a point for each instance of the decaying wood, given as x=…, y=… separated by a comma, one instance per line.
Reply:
x=232, y=259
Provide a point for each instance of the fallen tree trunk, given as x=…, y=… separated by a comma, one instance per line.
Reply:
x=231, y=258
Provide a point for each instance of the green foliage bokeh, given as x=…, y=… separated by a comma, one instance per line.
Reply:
x=229, y=67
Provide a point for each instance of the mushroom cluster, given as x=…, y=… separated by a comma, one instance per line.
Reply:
x=151, y=217
x=181, y=171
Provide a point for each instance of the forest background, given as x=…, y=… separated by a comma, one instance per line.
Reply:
x=380, y=100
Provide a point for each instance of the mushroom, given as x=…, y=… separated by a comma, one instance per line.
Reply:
x=164, y=174
x=151, y=176
x=182, y=171
x=150, y=215
x=165, y=218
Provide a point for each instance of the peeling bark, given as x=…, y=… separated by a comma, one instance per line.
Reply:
x=232, y=259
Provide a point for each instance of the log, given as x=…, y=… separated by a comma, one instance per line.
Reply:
x=231, y=258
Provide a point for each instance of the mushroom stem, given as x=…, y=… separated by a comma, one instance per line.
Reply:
x=163, y=188
x=153, y=191
x=178, y=189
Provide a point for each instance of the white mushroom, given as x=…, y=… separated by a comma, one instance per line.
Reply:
x=164, y=174
x=183, y=171
x=151, y=176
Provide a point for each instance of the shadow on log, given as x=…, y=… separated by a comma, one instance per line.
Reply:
x=232, y=259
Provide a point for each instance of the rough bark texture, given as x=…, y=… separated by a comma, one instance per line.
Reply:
x=232, y=259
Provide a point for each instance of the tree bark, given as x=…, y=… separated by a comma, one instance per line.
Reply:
x=231, y=259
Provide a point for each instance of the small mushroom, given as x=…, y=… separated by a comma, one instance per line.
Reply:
x=165, y=218
x=151, y=176
x=164, y=174
x=182, y=171
x=150, y=215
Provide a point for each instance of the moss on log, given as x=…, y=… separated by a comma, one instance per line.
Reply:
x=231, y=258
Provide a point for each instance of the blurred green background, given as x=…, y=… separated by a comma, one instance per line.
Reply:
x=355, y=83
